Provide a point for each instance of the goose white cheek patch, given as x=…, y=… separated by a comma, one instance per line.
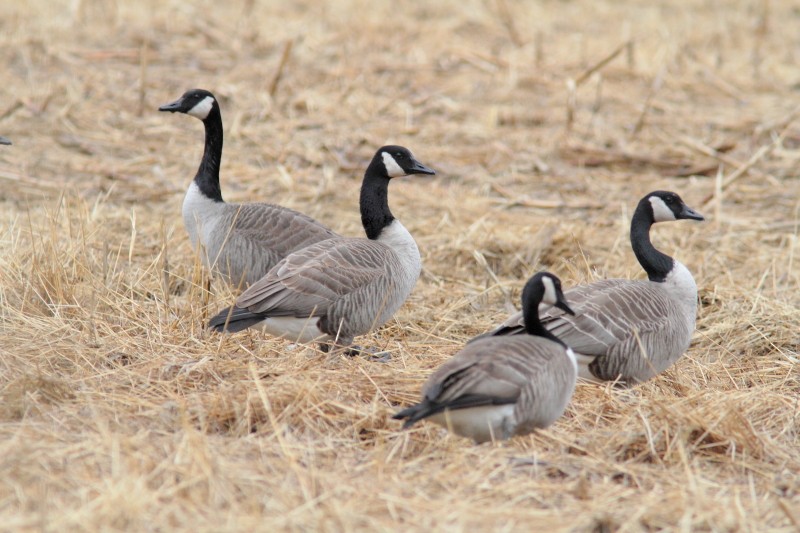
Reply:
x=393, y=170
x=202, y=108
x=661, y=213
x=550, y=296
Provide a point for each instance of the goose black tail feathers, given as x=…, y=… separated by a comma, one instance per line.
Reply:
x=231, y=320
x=413, y=414
x=427, y=408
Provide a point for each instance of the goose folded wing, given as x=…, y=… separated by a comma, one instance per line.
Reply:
x=610, y=314
x=288, y=229
x=491, y=371
x=306, y=282
x=515, y=324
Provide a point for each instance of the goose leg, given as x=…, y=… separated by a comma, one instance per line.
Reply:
x=370, y=354
x=338, y=346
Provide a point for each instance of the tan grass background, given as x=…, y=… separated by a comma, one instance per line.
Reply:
x=119, y=412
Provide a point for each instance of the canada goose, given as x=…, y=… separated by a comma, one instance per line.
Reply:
x=239, y=241
x=630, y=330
x=499, y=387
x=336, y=289
x=4, y=140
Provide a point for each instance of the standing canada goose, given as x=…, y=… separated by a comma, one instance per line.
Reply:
x=630, y=330
x=242, y=242
x=4, y=140
x=336, y=289
x=499, y=387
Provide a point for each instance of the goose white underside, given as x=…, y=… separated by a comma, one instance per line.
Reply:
x=584, y=373
x=478, y=423
x=294, y=329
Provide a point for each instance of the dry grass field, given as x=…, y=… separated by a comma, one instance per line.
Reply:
x=546, y=122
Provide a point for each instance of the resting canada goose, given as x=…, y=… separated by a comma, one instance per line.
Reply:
x=239, y=241
x=499, y=387
x=336, y=289
x=4, y=140
x=630, y=330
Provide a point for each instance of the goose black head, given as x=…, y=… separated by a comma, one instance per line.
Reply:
x=666, y=205
x=545, y=288
x=195, y=102
x=3, y=140
x=398, y=161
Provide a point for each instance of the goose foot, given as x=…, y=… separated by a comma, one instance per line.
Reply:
x=370, y=354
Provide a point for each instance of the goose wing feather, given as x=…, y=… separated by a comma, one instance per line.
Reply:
x=515, y=323
x=497, y=368
x=308, y=282
x=606, y=313
x=611, y=314
x=256, y=236
x=278, y=228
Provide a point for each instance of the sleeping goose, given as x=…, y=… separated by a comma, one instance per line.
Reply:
x=499, y=387
x=241, y=242
x=630, y=330
x=336, y=289
x=4, y=140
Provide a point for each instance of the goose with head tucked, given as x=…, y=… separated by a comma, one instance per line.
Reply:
x=629, y=330
x=499, y=387
x=240, y=242
x=337, y=289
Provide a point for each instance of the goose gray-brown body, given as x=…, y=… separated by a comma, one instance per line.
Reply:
x=240, y=242
x=629, y=330
x=499, y=387
x=337, y=289
x=4, y=140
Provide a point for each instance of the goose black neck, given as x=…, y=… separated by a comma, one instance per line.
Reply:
x=207, y=178
x=533, y=326
x=655, y=263
x=374, y=202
